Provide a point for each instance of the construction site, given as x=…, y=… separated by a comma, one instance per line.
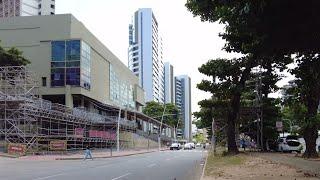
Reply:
x=29, y=124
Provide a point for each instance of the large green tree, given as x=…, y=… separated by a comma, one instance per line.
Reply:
x=269, y=28
x=156, y=110
x=231, y=76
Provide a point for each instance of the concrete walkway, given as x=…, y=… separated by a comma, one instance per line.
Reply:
x=310, y=167
x=95, y=153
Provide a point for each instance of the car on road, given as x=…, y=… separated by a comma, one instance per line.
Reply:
x=188, y=146
x=289, y=144
x=175, y=146
x=193, y=145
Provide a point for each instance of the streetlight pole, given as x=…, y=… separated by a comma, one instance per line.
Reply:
x=118, y=131
x=159, y=137
x=176, y=131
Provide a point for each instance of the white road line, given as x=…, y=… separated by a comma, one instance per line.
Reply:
x=121, y=176
x=151, y=165
x=47, y=177
x=168, y=159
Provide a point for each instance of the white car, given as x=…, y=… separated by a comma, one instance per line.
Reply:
x=289, y=144
x=188, y=146
x=176, y=146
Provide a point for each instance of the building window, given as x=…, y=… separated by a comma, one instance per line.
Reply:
x=73, y=76
x=39, y=13
x=52, y=6
x=85, y=65
x=52, y=13
x=58, y=51
x=39, y=6
x=73, y=50
x=44, y=81
x=121, y=93
x=57, y=77
x=70, y=64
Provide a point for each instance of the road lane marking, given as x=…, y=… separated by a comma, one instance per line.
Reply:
x=48, y=177
x=151, y=165
x=168, y=159
x=121, y=176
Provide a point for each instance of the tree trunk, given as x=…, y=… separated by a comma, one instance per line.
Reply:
x=235, y=108
x=235, y=105
x=310, y=133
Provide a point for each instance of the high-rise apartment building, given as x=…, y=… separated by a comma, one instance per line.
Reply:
x=145, y=54
x=10, y=8
x=169, y=87
x=183, y=102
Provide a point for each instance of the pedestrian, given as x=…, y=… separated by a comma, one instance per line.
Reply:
x=87, y=153
x=243, y=144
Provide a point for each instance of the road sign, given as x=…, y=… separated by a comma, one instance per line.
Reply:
x=279, y=125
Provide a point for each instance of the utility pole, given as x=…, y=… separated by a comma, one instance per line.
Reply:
x=159, y=137
x=118, y=131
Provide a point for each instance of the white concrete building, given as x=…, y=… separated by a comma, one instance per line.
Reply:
x=169, y=83
x=10, y=8
x=145, y=54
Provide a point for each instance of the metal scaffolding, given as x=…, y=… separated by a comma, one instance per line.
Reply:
x=36, y=123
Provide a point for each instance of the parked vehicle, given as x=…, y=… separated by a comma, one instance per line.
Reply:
x=289, y=144
x=193, y=145
x=175, y=146
x=198, y=145
x=187, y=146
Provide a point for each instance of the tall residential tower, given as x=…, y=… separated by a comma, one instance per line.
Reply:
x=10, y=8
x=169, y=86
x=183, y=102
x=145, y=54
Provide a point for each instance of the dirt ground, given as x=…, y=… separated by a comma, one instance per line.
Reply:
x=255, y=168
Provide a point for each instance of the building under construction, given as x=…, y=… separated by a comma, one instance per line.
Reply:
x=39, y=125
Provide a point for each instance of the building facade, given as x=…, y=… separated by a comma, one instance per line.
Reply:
x=183, y=102
x=10, y=8
x=169, y=83
x=74, y=68
x=145, y=54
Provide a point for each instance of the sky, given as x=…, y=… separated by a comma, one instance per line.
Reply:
x=187, y=42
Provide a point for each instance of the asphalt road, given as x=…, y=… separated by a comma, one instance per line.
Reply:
x=166, y=165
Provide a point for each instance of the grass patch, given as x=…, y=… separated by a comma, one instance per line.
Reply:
x=217, y=162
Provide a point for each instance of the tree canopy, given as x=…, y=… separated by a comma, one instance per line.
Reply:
x=276, y=33
x=12, y=57
x=155, y=110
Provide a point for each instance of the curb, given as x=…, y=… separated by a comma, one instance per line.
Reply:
x=204, y=167
x=105, y=157
x=8, y=156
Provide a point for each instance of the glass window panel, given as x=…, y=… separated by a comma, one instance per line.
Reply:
x=57, y=64
x=73, y=50
x=58, y=50
x=73, y=76
x=58, y=77
x=73, y=64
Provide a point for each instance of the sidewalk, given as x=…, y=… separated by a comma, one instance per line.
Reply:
x=95, y=154
x=310, y=167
